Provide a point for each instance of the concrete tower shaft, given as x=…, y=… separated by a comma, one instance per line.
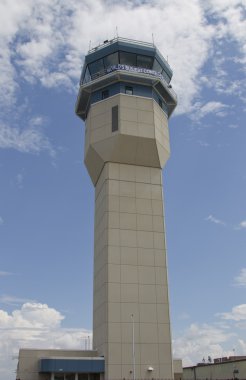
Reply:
x=125, y=99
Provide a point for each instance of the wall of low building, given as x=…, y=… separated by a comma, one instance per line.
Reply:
x=28, y=365
x=218, y=371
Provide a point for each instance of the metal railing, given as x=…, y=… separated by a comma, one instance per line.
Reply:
x=134, y=70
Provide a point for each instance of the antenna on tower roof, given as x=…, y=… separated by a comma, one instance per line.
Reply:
x=90, y=45
x=116, y=29
x=153, y=38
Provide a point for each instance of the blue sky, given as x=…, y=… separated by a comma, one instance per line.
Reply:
x=47, y=199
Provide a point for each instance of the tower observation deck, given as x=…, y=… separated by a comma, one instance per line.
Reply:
x=125, y=98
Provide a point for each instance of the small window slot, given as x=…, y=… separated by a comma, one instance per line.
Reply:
x=115, y=123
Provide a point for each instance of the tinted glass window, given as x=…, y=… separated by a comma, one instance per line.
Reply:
x=128, y=59
x=165, y=76
x=157, y=67
x=129, y=90
x=110, y=60
x=144, y=61
x=105, y=94
x=160, y=102
x=96, y=67
x=87, y=76
x=114, y=118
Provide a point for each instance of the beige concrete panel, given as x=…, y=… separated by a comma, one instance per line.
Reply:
x=128, y=114
x=114, y=236
x=100, y=315
x=126, y=329
x=100, y=278
x=114, y=333
x=145, y=117
x=156, y=176
x=147, y=294
x=129, y=293
x=164, y=335
x=113, y=187
x=156, y=192
x=127, y=189
x=129, y=274
x=163, y=153
x=157, y=207
x=161, y=275
x=100, y=120
x=113, y=220
x=94, y=163
x=127, y=371
x=128, y=238
x=113, y=312
x=100, y=134
x=127, y=309
x=100, y=296
x=159, y=240
x=160, y=258
x=149, y=354
x=161, y=294
x=100, y=335
x=144, y=104
x=114, y=256
x=163, y=313
x=158, y=223
x=128, y=205
x=129, y=101
x=144, y=206
x=146, y=275
x=114, y=372
x=129, y=255
x=128, y=221
x=144, y=222
x=146, y=153
x=143, y=174
x=148, y=333
x=113, y=203
x=127, y=353
x=143, y=190
x=145, y=239
x=166, y=371
x=113, y=273
x=130, y=128
x=147, y=313
x=114, y=293
x=165, y=353
x=127, y=172
x=113, y=170
x=146, y=257
x=101, y=260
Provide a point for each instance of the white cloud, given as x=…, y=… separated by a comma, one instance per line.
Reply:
x=212, y=219
x=3, y=273
x=34, y=325
x=240, y=280
x=200, y=341
x=238, y=313
x=12, y=300
x=30, y=139
x=199, y=111
x=242, y=224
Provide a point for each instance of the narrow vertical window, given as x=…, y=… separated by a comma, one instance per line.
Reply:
x=114, y=118
x=160, y=102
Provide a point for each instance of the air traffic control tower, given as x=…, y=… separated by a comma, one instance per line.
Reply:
x=125, y=99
